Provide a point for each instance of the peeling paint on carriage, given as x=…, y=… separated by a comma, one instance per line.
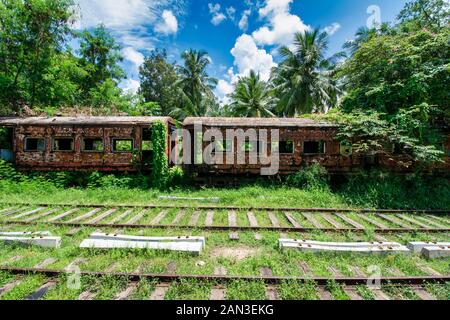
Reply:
x=312, y=142
x=58, y=144
x=74, y=156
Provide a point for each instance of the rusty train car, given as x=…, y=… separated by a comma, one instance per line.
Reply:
x=123, y=144
x=82, y=143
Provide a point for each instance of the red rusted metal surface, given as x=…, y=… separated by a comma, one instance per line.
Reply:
x=298, y=131
x=104, y=128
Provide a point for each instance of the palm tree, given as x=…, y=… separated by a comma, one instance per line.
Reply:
x=195, y=84
x=303, y=80
x=251, y=97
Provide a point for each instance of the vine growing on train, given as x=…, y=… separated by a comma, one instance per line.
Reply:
x=160, y=169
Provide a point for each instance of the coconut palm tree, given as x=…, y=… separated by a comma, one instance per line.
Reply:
x=195, y=84
x=303, y=80
x=251, y=97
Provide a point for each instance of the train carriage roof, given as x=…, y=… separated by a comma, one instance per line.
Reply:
x=258, y=122
x=88, y=121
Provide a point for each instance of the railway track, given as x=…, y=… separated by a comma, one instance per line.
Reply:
x=218, y=284
x=230, y=218
x=216, y=218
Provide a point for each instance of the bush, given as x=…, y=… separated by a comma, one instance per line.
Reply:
x=311, y=177
x=7, y=172
x=380, y=189
x=176, y=177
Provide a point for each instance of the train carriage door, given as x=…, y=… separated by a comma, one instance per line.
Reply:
x=6, y=144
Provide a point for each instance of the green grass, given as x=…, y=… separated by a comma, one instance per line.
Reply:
x=30, y=192
x=265, y=254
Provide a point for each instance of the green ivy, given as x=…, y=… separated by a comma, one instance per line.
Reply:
x=160, y=170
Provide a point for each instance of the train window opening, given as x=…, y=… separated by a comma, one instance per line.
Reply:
x=147, y=134
x=122, y=145
x=34, y=144
x=283, y=147
x=147, y=145
x=222, y=146
x=63, y=144
x=93, y=144
x=147, y=152
x=249, y=146
x=314, y=147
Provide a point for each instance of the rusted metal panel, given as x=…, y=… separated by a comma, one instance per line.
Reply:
x=105, y=128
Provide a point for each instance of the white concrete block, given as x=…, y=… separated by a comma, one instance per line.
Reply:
x=191, y=247
x=416, y=247
x=341, y=244
x=338, y=249
x=106, y=236
x=22, y=234
x=46, y=242
x=214, y=199
x=436, y=252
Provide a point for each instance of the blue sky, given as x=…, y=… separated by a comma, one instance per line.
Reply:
x=238, y=35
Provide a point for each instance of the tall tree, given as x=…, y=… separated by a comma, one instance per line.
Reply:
x=32, y=33
x=364, y=34
x=251, y=97
x=158, y=79
x=432, y=14
x=303, y=80
x=195, y=83
x=100, y=56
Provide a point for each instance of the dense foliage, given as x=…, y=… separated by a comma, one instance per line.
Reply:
x=158, y=81
x=390, y=92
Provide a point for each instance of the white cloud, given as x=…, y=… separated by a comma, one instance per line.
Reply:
x=231, y=13
x=332, y=29
x=248, y=57
x=213, y=8
x=282, y=25
x=243, y=23
x=223, y=89
x=169, y=23
x=134, y=56
x=274, y=7
x=129, y=20
x=116, y=13
x=130, y=86
x=217, y=16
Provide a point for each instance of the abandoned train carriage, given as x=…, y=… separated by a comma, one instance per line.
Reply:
x=300, y=142
x=82, y=143
x=124, y=144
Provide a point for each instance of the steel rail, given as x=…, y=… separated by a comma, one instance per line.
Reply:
x=223, y=228
x=237, y=208
x=226, y=279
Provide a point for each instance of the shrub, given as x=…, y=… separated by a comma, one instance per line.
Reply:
x=176, y=177
x=380, y=189
x=310, y=177
x=7, y=172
